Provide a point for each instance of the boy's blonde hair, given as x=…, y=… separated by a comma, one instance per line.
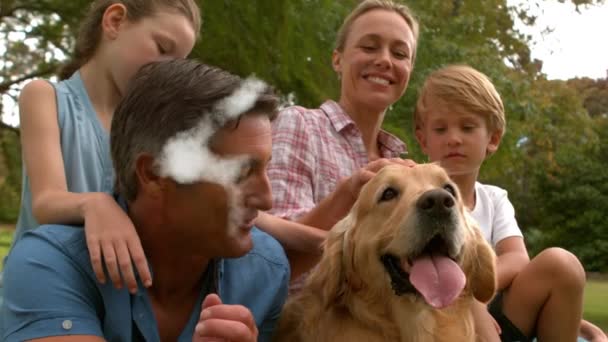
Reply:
x=369, y=5
x=466, y=87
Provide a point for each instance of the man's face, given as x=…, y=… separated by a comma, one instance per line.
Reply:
x=217, y=219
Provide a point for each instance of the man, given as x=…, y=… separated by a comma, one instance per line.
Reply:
x=190, y=144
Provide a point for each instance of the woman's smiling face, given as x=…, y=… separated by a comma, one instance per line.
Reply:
x=376, y=61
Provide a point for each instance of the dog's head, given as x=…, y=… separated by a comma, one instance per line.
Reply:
x=408, y=234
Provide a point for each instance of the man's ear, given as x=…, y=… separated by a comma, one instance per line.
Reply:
x=494, y=142
x=148, y=181
x=113, y=17
x=336, y=61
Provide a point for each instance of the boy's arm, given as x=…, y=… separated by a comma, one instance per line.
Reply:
x=591, y=332
x=512, y=258
x=508, y=240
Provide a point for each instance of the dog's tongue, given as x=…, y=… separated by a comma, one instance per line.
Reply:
x=438, y=278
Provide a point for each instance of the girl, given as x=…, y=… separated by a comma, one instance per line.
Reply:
x=68, y=175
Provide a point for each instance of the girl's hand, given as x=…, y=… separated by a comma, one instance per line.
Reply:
x=111, y=235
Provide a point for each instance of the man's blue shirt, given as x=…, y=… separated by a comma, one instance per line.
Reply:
x=50, y=290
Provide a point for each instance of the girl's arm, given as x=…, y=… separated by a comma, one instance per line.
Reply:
x=512, y=258
x=108, y=229
x=40, y=142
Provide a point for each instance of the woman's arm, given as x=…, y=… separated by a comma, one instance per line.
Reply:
x=292, y=235
x=335, y=206
x=302, y=243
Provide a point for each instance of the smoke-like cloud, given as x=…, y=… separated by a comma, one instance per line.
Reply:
x=187, y=158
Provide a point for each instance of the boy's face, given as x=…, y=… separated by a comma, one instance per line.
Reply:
x=456, y=138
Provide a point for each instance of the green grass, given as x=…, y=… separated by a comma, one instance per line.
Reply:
x=596, y=303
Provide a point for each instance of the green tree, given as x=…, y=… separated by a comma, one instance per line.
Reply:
x=10, y=175
x=575, y=201
x=594, y=94
x=287, y=43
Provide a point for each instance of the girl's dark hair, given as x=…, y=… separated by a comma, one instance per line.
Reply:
x=89, y=34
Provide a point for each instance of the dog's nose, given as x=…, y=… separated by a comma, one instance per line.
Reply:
x=435, y=202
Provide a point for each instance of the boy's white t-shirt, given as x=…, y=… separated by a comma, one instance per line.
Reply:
x=494, y=213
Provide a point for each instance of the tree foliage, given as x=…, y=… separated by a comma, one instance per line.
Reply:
x=594, y=94
x=10, y=175
x=575, y=201
x=552, y=159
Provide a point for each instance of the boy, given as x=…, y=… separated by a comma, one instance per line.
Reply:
x=460, y=121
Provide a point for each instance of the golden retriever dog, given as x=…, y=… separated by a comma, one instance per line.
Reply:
x=405, y=264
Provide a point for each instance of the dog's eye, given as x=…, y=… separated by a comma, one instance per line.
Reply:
x=450, y=188
x=389, y=194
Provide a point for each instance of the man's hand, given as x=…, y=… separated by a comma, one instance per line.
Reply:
x=221, y=322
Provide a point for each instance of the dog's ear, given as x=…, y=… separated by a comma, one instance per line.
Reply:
x=328, y=279
x=482, y=266
x=479, y=264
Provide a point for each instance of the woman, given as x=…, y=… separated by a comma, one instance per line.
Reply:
x=321, y=157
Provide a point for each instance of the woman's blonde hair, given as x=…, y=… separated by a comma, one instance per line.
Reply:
x=89, y=34
x=462, y=85
x=369, y=5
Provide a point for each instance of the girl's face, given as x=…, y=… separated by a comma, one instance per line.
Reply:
x=376, y=61
x=165, y=35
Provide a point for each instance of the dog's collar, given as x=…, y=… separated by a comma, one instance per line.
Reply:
x=400, y=280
